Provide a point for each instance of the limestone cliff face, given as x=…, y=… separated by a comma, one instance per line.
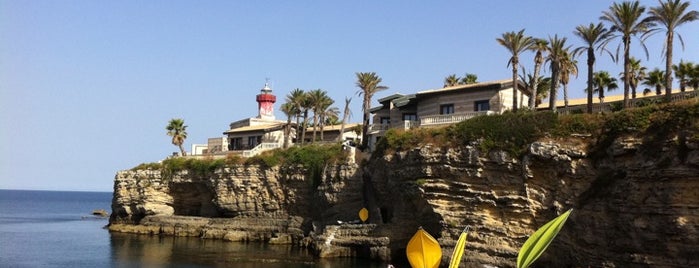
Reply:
x=634, y=206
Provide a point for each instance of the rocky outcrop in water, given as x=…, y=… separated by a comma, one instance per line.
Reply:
x=634, y=205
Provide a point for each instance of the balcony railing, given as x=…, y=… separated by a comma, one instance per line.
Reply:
x=406, y=124
x=265, y=146
x=442, y=119
x=431, y=120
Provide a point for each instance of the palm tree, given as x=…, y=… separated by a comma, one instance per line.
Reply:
x=636, y=74
x=289, y=110
x=346, y=115
x=683, y=71
x=602, y=80
x=451, y=80
x=595, y=38
x=543, y=85
x=306, y=105
x=569, y=66
x=178, y=131
x=694, y=77
x=557, y=52
x=671, y=14
x=318, y=99
x=369, y=84
x=329, y=117
x=515, y=43
x=328, y=114
x=655, y=79
x=539, y=46
x=625, y=18
x=469, y=79
x=296, y=98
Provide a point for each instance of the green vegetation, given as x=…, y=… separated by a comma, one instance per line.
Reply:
x=510, y=132
x=514, y=131
x=313, y=158
x=400, y=140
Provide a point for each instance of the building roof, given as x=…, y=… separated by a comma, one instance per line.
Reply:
x=336, y=127
x=400, y=100
x=497, y=83
x=405, y=100
x=265, y=128
x=390, y=97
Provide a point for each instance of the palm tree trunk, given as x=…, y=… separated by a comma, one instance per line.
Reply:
x=627, y=66
x=365, y=122
x=182, y=150
x=565, y=96
x=287, y=132
x=304, y=127
x=315, y=126
x=590, y=70
x=514, y=86
x=298, y=127
x=535, y=85
x=344, y=119
x=322, y=124
x=554, y=86
x=668, y=66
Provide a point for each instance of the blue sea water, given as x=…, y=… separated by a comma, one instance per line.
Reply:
x=56, y=229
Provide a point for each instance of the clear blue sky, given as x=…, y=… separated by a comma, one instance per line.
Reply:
x=87, y=87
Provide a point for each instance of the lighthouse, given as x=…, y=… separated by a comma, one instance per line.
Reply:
x=265, y=103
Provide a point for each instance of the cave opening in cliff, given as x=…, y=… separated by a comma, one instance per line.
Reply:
x=386, y=214
x=193, y=199
x=362, y=251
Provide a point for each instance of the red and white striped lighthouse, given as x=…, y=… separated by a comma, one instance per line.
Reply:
x=265, y=103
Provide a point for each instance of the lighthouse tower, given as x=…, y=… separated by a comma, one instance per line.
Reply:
x=265, y=103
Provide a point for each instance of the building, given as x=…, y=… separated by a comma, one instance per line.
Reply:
x=332, y=133
x=438, y=107
x=251, y=136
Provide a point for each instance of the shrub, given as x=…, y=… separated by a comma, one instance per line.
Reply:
x=314, y=158
x=147, y=166
x=198, y=166
x=510, y=132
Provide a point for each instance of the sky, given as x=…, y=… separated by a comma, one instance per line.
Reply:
x=87, y=87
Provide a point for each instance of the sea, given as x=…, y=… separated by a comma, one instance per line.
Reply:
x=57, y=229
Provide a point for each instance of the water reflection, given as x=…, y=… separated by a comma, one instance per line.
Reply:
x=129, y=250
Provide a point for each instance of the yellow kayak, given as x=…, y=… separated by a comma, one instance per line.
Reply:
x=423, y=250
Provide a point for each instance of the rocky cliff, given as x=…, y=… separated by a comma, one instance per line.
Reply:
x=634, y=205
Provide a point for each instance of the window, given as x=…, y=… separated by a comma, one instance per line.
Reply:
x=481, y=105
x=446, y=109
x=385, y=120
x=254, y=141
x=409, y=117
x=235, y=144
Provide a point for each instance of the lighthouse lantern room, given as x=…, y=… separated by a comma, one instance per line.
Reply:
x=265, y=103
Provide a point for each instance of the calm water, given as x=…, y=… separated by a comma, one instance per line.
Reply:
x=55, y=229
